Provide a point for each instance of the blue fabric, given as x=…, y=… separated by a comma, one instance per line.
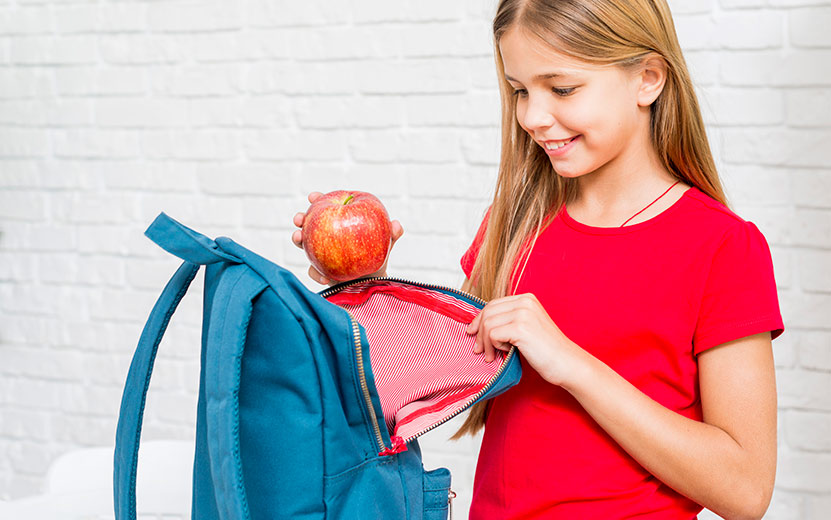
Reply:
x=283, y=430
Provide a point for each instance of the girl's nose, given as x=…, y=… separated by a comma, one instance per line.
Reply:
x=538, y=114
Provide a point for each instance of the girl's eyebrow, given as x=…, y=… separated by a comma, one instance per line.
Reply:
x=540, y=77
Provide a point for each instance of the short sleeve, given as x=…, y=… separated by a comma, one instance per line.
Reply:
x=739, y=297
x=469, y=258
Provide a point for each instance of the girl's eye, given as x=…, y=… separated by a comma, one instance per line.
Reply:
x=521, y=92
x=563, y=91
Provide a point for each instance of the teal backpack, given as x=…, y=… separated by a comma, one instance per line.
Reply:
x=310, y=404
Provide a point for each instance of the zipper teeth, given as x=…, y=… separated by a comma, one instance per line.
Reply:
x=337, y=288
x=359, y=356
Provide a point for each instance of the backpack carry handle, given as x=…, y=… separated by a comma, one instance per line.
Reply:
x=187, y=244
x=128, y=432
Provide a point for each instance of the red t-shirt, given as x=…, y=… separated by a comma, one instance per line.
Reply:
x=645, y=299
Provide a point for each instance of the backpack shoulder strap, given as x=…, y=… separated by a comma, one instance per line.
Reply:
x=223, y=364
x=195, y=249
x=128, y=432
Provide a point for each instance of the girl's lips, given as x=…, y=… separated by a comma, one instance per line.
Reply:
x=563, y=149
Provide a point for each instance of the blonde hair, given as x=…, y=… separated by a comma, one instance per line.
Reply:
x=528, y=192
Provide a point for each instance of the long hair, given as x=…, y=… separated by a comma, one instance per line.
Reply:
x=528, y=191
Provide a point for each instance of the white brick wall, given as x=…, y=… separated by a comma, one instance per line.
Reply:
x=225, y=114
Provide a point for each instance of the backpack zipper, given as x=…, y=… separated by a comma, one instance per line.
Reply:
x=397, y=442
x=359, y=356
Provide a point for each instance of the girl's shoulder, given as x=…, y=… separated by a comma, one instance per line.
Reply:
x=713, y=217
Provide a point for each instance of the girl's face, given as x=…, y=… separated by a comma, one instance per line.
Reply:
x=586, y=117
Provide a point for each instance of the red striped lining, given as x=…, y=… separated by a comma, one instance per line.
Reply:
x=422, y=358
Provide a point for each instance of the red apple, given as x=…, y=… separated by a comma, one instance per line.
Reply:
x=347, y=234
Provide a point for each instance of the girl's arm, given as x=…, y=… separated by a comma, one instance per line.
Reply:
x=726, y=463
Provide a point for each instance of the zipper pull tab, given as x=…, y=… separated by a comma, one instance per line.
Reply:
x=398, y=445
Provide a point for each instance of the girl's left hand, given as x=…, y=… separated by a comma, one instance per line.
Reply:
x=522, y=321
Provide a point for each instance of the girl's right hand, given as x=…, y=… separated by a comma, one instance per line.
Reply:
x=314, y=274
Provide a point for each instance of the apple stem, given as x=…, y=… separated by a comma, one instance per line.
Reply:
x=350, y=197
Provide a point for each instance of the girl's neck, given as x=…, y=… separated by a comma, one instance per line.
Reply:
x=608, y=197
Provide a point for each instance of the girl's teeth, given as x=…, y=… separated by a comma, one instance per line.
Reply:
x=555, y=145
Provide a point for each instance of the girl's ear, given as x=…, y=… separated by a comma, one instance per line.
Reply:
x=652, y=75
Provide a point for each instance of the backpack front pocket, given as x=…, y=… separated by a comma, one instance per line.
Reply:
x=437, y=494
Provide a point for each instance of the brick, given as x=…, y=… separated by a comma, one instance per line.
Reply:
x=316, y=145
x=198, y=80
x=734, y=106
x=814, y=274
x=258, y=43
x=474, y=109
x=302, y=78
x=796, y=67
x=190, y=144
x=109, y=81
x=141, y=112
x=815, y=234
x=22, y=142
x=255, y=180
x=97, y=270
x=696, y=31
x=817, y=506
x=742, y=4
x=777, y=146
x=813, y=348
x=804, y=389
x=282, y=13
x=68, y=50
x=797, y=3
x=58, y=268
x=809, y=472
x=270, y=213
x=810, y=188
x=71, y=19
x=445, y=39
x=410, y=76
x=122, y=17
x=703, y=67
x=759, y=185
x=194, y=16
x=786, y=505
x=22, y=205
x=141, y=49
x=690, y=6
x=215, y=47
x=750, y=30
x=27, y=21
x=148, y=177
x=93, y=143
x=806, y=310
x=435, y=217
x=387, y=181
x=482, y=147
x=808, y=108
x=26, y=424
x=334, y=112
x=808, y=431
x=331, y=43
x=809, y=27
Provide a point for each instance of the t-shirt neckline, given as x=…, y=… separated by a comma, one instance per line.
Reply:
x=595, y=230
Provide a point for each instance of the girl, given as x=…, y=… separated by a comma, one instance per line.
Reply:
x=643, y=308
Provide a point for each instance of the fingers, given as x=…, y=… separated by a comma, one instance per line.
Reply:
x=488, y=327
x=317, y=276
x=397, y=230
x=313, y=196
